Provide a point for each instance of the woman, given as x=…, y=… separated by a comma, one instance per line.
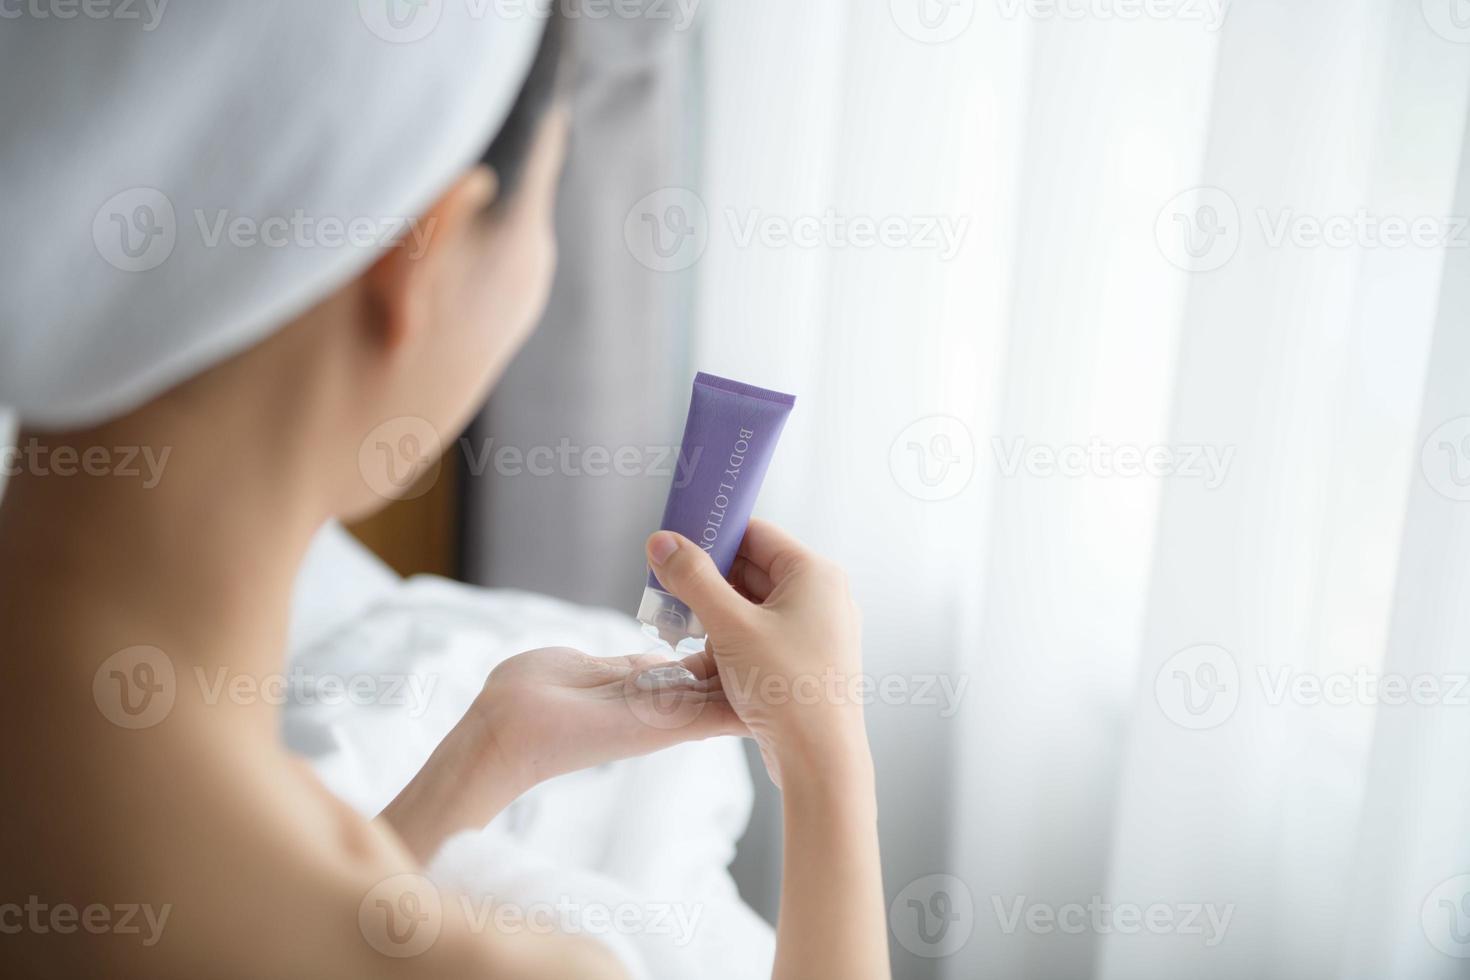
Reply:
x=258, y=375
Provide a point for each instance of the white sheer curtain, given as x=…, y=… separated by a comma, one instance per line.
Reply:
x=1304, y=528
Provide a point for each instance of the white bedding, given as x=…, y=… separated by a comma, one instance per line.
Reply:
x=647, y=841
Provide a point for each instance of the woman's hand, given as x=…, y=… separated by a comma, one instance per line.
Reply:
x=785, y=634
x=555, y=711
x=550, y=712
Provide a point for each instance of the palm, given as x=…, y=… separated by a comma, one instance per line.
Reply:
x=558, y=710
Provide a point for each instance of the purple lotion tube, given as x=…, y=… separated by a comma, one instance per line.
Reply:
x=729, y=440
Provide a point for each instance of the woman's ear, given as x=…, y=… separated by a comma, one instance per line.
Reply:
x=401, y=284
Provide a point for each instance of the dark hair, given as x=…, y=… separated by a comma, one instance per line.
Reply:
x=508, y=151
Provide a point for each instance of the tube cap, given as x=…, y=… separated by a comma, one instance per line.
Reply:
x=673, y=620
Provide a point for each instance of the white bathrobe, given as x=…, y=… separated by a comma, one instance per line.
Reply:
x=644, y=844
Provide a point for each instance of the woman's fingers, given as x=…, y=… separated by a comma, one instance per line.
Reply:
x=675, y=677
x=773, y=551
x=724, y=721
x=716, y=717
x=680, y=711
x=687, y=571
x=767, y=556
x=750, y=581
x=702, y=664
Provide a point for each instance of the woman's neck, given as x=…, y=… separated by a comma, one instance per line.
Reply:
x=173, y=529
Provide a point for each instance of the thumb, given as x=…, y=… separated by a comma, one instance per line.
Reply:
x=688, y=572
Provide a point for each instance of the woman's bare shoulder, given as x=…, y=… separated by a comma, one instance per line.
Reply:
x=214, y=857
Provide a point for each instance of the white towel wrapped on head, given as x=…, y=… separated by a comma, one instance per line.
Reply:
x=181, y=183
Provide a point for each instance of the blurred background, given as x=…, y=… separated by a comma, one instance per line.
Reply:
x=1131, y=341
